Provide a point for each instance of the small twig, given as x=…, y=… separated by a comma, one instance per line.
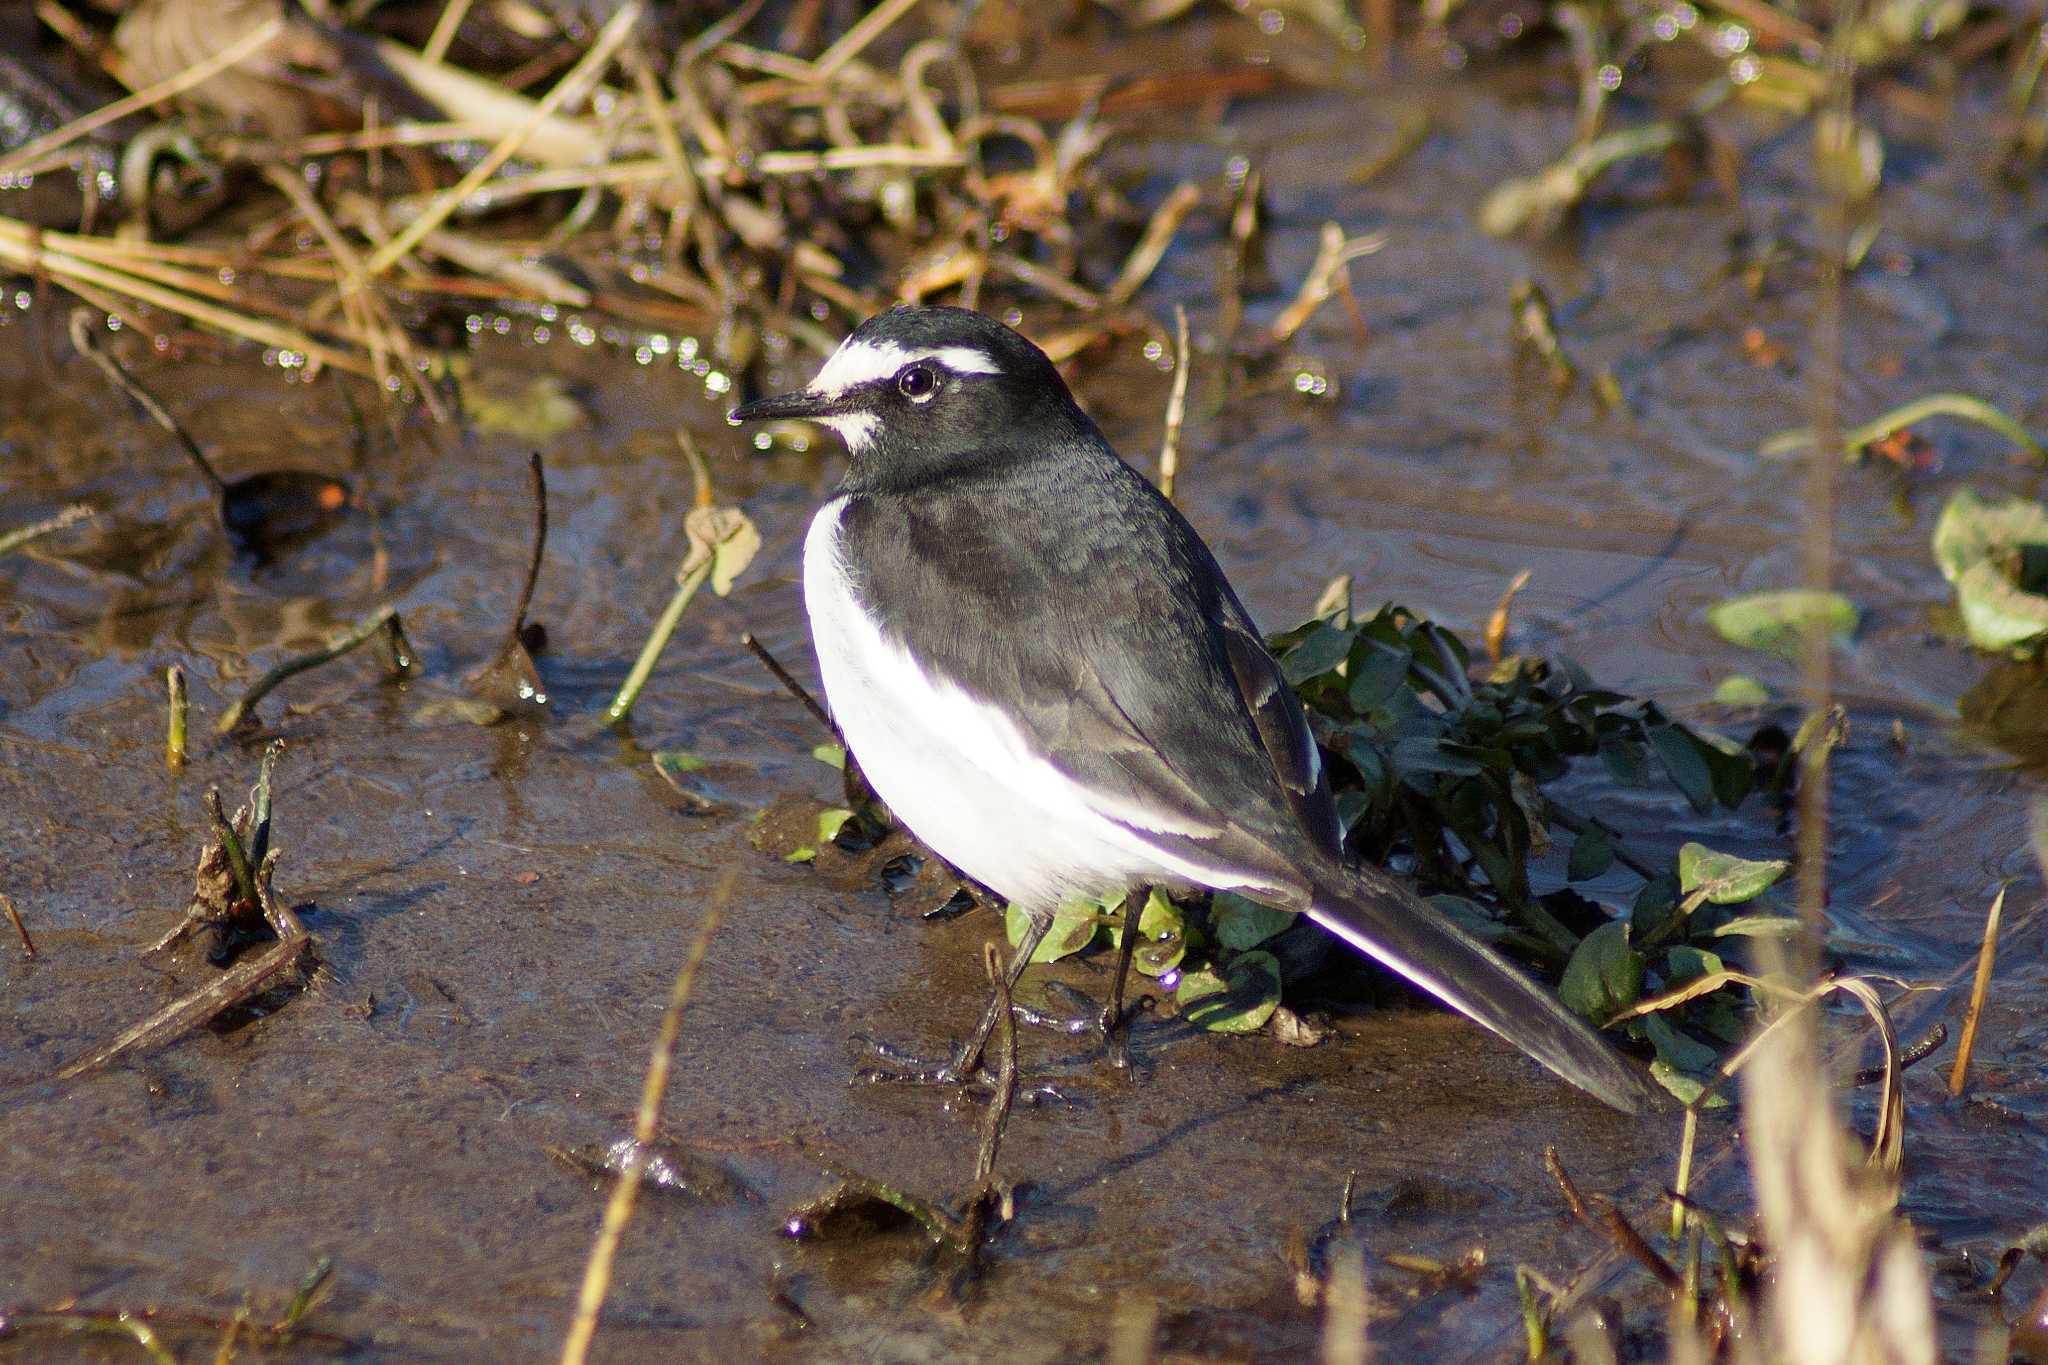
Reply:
x=597, y=1274
x=1535, y=331
x=82, y=323
x=28, y=945
x=789, y=682
x=452, y=15
x=1151, y=247
x=383, y=622
x=240, y=982
x=22, y=535
x=1327, y=275
x=121, y=1322
x=856, y=39
x=1987, y=954
x=1611, y=1225
x=1908, y=1057
x=1579, y=824
x=1176, y=404
x=180, y=709
x=540, y=545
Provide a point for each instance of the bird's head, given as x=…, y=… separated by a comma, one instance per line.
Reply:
x=915, y=389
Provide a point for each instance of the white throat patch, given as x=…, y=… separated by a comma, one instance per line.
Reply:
x=862, y=362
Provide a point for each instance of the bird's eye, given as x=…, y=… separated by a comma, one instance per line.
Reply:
x=918, y=383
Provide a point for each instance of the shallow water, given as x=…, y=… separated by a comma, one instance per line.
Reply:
x=499, y=911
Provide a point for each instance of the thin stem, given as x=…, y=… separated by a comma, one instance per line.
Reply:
x=789, y=682
x=597, y=1274
x=28, y=945
x=657, y=640
x=180, y=708
x=22, y=535
x=1176, y=404
x=82, y=323
x=371, y=626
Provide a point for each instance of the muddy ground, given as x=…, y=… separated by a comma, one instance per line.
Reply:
x=499, y=910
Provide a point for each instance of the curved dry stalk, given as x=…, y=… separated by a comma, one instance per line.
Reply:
x=383, y=622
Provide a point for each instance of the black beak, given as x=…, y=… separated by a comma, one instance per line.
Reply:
x=802, y=405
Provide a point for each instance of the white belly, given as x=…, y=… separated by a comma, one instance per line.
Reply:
x=960, y=774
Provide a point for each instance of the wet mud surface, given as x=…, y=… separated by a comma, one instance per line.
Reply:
x=499, y=911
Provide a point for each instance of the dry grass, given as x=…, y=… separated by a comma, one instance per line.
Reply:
x=737, y=190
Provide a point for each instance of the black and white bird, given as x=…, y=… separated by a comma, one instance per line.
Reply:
x=1042, y=671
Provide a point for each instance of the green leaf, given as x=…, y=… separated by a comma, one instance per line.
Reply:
x=830, y=821
x=1686, y=963
x=1240, y=1000
x=1605, y=975
x=1654, y=904
x=1759, y=926
x=673, y=763
x=1723, y=878
x=1592, y=855
x=1739, y=689
x=1624, y=760
x=834, y=754
x=1162, y=935
x=1996, y=554
x=1322, y=649
x=1685, y=765
x=1073, y=928
x=1773, y=621
x=1421, y=754
x=1377, y=675
x=1731, y=766
x=1687, y=1088
x=1683, y=1052
x=1241, y=923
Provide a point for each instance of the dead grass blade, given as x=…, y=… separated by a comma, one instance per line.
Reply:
x=575, y=83
x=1987, y=954
x=198, y=73
x=597, y=1274
x=1176, y=404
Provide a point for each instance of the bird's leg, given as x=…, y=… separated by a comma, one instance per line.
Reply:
x=965, y=1062
x=1116, y=1024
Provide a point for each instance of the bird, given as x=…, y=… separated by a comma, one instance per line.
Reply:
x=1042, y=671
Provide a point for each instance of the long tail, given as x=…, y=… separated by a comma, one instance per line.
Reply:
x=1386, y=921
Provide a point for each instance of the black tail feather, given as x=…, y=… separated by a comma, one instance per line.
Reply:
x=1390, y=923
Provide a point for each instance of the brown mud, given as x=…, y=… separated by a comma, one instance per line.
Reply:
x=499, y=910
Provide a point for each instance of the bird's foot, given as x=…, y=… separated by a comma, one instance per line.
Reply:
x=1110, y=1022
x=964, y=1071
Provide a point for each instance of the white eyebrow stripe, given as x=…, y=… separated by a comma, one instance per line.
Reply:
x=862, y=362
